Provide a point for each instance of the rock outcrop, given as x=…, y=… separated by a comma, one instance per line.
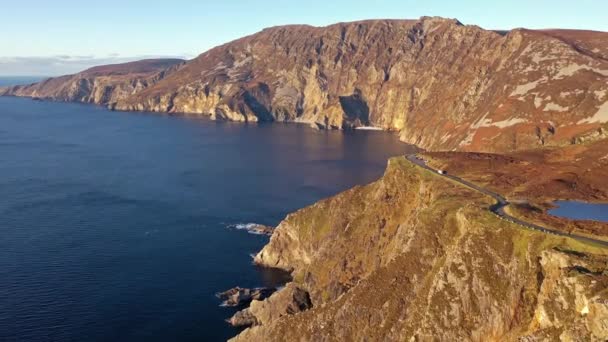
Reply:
x=253, y=228
x=573, y=300
x=415, y=256
x=238, y=296
x=288, y=301
x=441, y=84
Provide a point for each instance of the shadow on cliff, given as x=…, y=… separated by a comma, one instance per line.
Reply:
x=356, y=110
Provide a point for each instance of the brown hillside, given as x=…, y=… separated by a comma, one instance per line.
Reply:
x=441, y=84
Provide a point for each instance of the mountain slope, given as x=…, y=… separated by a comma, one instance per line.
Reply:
x=441, y=84
x=414, y=256
x=99, y=85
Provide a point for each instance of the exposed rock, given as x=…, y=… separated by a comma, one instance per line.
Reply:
x=573, y=298
x=254, y=228
x=414, y=256
x=287, y=301
x=102, y=85
x=243, y=318
x=238, y=296
x=441, y=84
x=596, y=135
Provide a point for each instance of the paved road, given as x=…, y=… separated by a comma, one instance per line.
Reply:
x=499, y=208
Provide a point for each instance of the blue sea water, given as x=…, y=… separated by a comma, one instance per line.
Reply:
x=19, y=80
x=113, y=226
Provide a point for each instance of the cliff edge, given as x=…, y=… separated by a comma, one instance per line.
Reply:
x=441, y=84
x=415, y=256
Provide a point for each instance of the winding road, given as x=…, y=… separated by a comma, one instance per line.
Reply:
x=501, y=203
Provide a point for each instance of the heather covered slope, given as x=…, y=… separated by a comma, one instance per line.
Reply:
x=441, y=84
x=534, y=179
x=414, y=255
x=133, y=68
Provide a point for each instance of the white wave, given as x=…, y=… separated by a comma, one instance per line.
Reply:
x=249, y=227
x=243, y=226
x=369, y=128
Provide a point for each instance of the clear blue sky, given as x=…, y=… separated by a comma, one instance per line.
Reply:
x=126, y=29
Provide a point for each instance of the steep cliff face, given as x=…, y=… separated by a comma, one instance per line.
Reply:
x=408, y=258
x=572, y=304
x=100, y=85
x=441, y=84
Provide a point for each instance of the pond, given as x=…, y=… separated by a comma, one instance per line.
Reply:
x=581, y=211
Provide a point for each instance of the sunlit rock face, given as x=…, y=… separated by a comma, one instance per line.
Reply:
x=441, y=84
x=101, y=85
x=416, y=257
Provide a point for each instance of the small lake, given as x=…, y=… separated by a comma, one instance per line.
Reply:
x=581, y=211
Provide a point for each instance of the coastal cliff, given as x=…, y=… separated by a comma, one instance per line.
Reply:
x=415, y=256
x=441, y=84
x=100, y=85
x=412, y=256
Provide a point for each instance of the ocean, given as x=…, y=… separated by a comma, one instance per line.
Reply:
x=19, y=80
x=116, y=226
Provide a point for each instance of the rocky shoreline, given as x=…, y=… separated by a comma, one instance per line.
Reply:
x=358, y=274
x=238, y=296
x=263, y=304
x=253, y=228
x=287, y=301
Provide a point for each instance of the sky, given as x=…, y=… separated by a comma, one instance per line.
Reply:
x=42, y=37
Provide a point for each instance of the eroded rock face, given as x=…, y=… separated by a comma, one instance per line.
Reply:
x=243, y=318
x=254, y=228
x=441, y=84
x=416, y=257
x=573, y=299
x=288, y=301
x=515, y=90
x=238, y=296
